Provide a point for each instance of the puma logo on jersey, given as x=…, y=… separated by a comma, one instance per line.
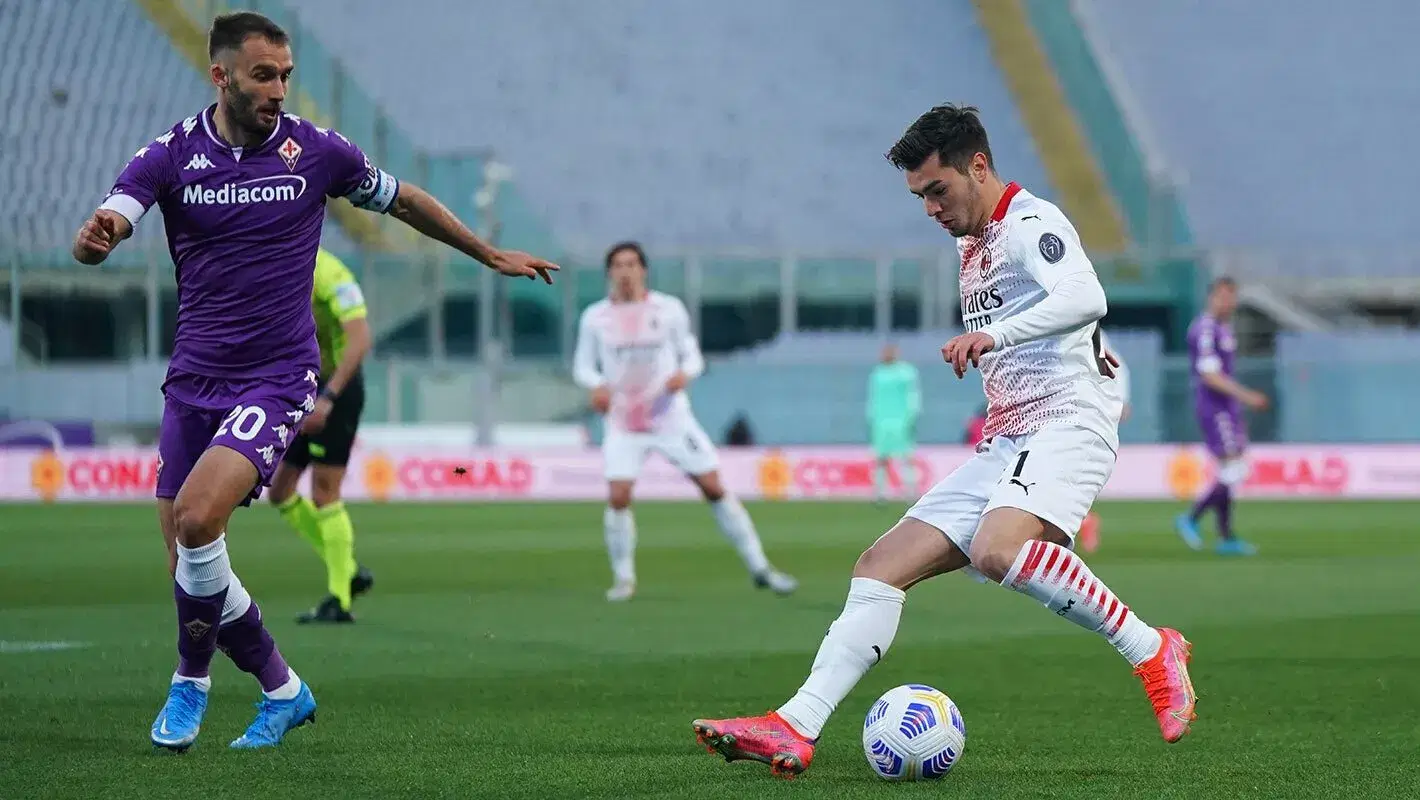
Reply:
x=1025, y=487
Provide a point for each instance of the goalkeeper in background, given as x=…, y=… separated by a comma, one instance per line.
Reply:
x=325, y=439
x=894, y=401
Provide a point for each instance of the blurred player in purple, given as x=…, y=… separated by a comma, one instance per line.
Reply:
x=242, y=188
x=1218, y=402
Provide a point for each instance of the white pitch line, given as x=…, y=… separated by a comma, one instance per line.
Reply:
x=38, y=647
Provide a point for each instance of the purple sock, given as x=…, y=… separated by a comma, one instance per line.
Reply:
x=246, y=641
x=1212, y=499
x=1225, y=512
x=199, y=619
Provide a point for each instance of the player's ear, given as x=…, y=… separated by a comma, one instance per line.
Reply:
x=218, y=74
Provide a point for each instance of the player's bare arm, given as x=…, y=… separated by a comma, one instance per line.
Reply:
x=423, y=212
x=1219, y=382
x=357, y=346
x=99, y=235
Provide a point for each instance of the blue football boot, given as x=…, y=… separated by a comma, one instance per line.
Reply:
x=181, y=717
x=274, y=718
x=1188, y=531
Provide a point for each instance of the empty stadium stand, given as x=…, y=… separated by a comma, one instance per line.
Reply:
x=1284, y=120
x=620, y=122
x=85, y=83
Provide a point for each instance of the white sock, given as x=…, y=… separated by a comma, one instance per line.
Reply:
x=620, y=530
x=857, y=640
x=880, y=480
x=204, y=683
x=287, y=690
x=204, y=571
x=735, y=523
x=237, y=601
x=1059, y=579
x=909, y=475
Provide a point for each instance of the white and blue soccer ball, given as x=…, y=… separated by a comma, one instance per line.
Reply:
x=913, y=732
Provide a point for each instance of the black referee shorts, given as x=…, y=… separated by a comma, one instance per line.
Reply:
x=332, y=445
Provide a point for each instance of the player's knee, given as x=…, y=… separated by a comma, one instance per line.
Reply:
x=712, y=490
x=325, y=489
x=197, y=522
x=619, y=498
x=878, y=563
x=993, y=558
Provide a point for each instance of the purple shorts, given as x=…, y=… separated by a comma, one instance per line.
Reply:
x=257, y=417
x=1224, y=433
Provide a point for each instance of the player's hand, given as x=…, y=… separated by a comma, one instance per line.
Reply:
x=967, y=348
x=601, y=399
x=98, y=236
x=517, y=264
x=1108, y=364
x=315, y=421
x=1125, y=412
x=1257, y=401
x=677, y=382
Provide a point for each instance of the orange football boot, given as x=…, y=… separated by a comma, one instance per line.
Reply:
x=1090, y=533
x=768, y=739
x=1170, y=690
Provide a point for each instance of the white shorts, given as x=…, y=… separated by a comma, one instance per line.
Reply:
x=684, y=444
x=1055, y=473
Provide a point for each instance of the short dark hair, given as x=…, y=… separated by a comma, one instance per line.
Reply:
x=953, y=132
x=625, y=247
x=1223, y=280
x=229, y=31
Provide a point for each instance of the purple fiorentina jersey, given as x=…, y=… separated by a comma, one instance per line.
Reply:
x=1212, y=348
x=243, y=227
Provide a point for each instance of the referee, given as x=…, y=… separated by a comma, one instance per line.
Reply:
x=325, y=439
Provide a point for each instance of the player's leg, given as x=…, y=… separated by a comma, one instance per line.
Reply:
x=183, y=437
x=337, y=534
x=1024, y=542
x=737, y=526
x=931, y=539
x=330, y=453
x=690, y=450
x=285, y=495
x=1231, y=474
x=622, y=455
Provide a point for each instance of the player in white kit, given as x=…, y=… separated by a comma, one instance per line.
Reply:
x=636, y=354
x=1030, y=304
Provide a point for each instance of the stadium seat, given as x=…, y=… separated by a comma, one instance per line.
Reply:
x=81, y=119
x=623, y=123
x=1278, y=109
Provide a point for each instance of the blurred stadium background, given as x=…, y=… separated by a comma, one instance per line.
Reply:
x=741, y=140
x=745, y=151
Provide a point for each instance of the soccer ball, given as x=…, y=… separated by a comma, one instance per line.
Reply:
x=913, y=732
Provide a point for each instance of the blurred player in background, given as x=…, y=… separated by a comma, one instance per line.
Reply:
x=636, y=354
x=327, y=434
x=1031, y=304
x=243, y=188
x=1218, y=401
x=894, y=401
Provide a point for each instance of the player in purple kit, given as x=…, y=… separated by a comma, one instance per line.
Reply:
x=242, y=188
x=1218, y=401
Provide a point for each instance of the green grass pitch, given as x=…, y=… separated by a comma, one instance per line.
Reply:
x=487, y=664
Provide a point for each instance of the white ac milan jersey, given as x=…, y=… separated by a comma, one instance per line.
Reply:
x=633, y=348
x=1024, y=252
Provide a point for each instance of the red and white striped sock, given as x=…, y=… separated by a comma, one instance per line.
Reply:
x=1059, y=579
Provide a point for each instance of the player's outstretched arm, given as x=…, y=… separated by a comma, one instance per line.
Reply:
x=99, y=235
x=423, y=212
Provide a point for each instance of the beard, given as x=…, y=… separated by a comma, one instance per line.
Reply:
x=242, y=107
